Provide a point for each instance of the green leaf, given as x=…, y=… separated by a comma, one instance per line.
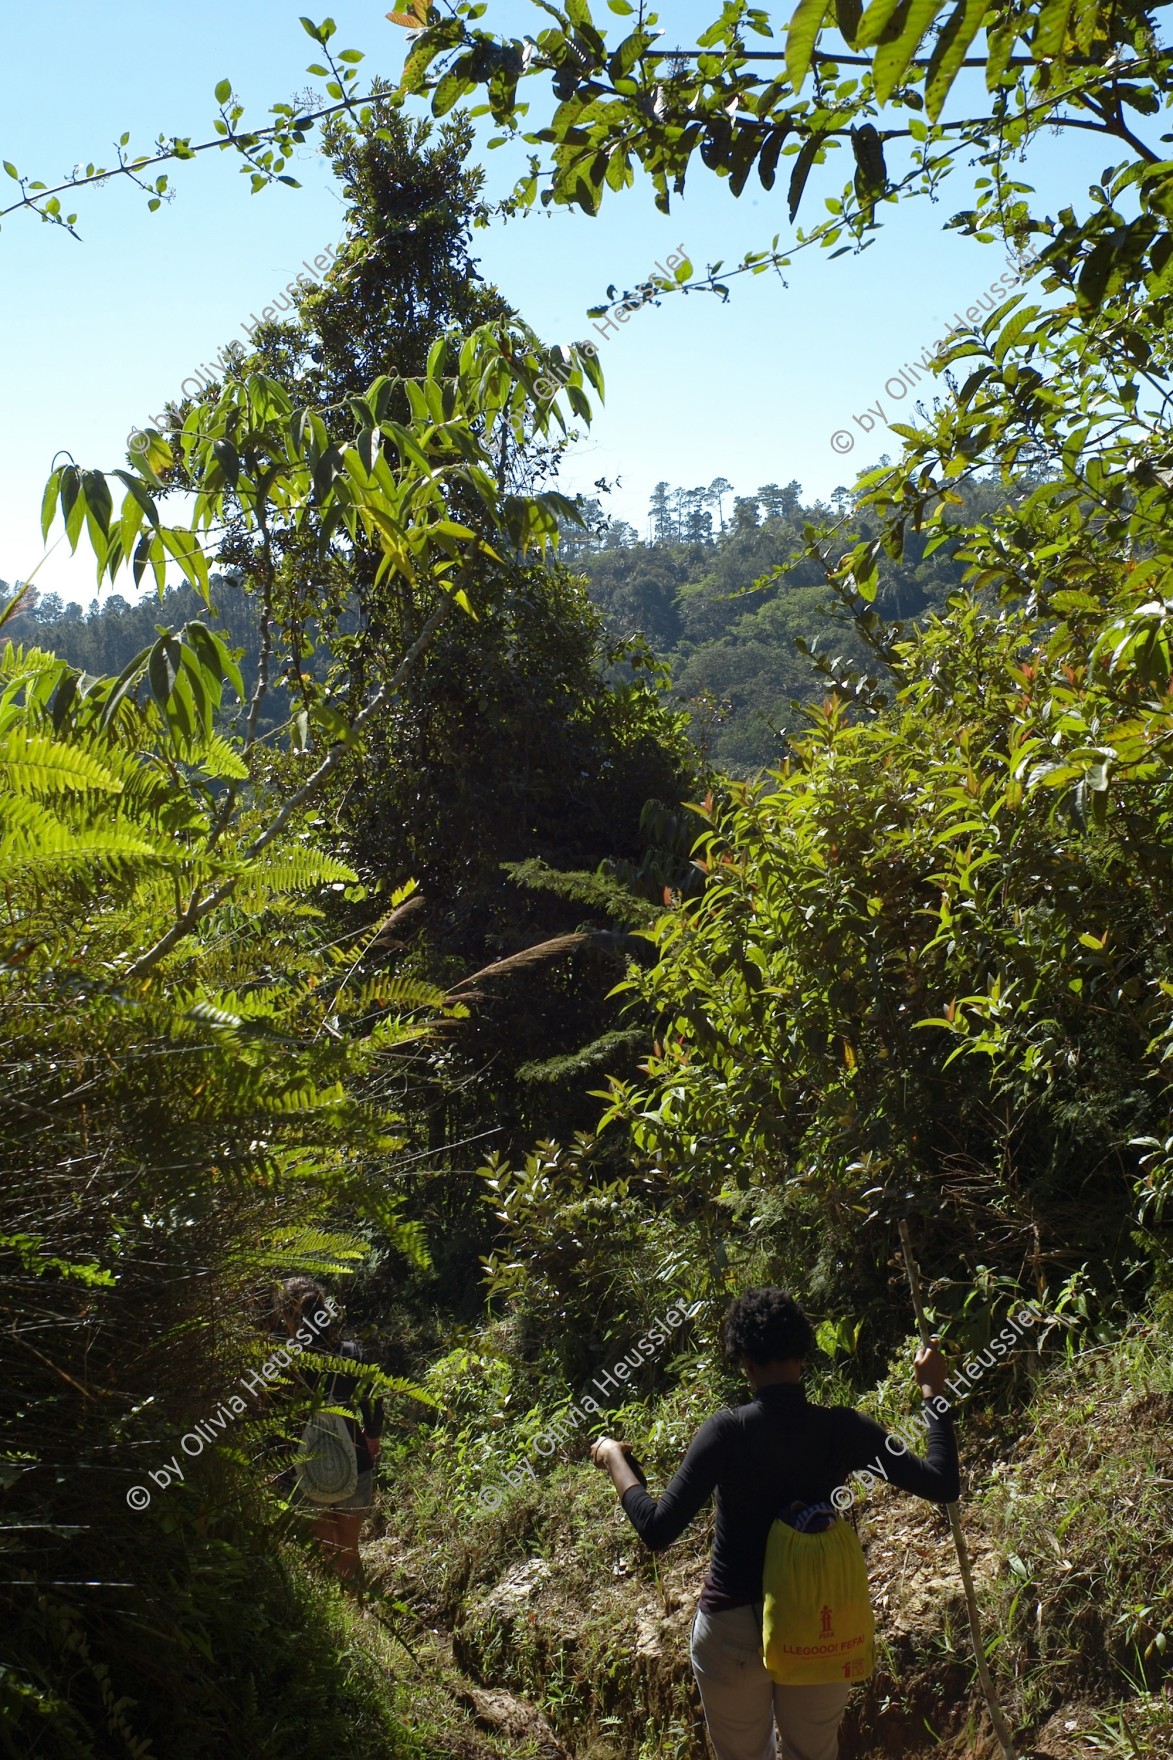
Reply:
x=1000, y=43
x=163, y=664
x=1093, y=277
x=1012, y=329
x=228, y=460
x=33, y=764
x=949, y=52
x=215, y=655
x=49, y=502
x=891, y=59
x=124, y=686
x=874, y=23
x=871, y=177
x=137, y=491
x=1087, y=18
x=847, y=17
x=801, y=172
x=625, y=56
x=768, y=159
x=99, y=503
x=223, y=91
x=450, y=90
x=1051, y=29
x=801, y=36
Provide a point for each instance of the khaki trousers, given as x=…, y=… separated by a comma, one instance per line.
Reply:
x=742, y=1704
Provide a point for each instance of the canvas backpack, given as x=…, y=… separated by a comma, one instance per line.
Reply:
x=326, y=1463
x=817, y=1622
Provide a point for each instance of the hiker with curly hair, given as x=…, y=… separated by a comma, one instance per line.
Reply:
x=335, y=1477
x=772, y=1466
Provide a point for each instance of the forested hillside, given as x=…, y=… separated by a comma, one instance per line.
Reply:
x=530, y=937
x=740, y=611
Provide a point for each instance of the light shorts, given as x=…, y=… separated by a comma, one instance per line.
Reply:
x=743, y=1705
x=360, y=1499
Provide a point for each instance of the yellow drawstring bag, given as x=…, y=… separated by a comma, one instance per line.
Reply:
x=817, y=1623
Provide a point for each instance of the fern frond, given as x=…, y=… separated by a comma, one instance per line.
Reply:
x=298, y=869
x=318, y=1252
x=20, y=813
x=31, y=763
x=398, y=1384
x=306, y=1098
x=388, y=992
x=59, y=848
x=393, y=1031
x=371, y=1378
x=410, y=1239
x=19, y=665
x=217, y=758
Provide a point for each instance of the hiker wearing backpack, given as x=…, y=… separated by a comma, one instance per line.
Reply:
x=334, y=1470
x=784, y=1624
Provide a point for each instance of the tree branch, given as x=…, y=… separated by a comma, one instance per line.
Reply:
x=179, y=149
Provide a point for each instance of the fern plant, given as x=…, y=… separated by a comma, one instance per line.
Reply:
x=173, y=1142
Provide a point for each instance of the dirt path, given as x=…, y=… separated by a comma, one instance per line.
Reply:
x=502, y=1667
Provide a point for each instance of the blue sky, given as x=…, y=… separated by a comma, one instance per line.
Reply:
x=99, y=334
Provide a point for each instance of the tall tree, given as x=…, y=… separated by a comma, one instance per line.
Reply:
x=698, y=521
x=505, y=748
x=660, y=515
x=717, y=491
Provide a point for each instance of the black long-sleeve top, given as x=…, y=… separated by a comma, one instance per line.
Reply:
x=762, y=1457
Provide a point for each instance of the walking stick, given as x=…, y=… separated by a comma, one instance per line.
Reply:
x=997, y=1716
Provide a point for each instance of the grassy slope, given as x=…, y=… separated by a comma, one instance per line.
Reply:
x=551, y=1599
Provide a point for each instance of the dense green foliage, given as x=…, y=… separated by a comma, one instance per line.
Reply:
x=171, y=1139
x=876, y=80
x=204, y=1075
x=274, y=970
x=222, y=1050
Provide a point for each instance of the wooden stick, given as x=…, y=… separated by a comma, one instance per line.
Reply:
x=997, y=1716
